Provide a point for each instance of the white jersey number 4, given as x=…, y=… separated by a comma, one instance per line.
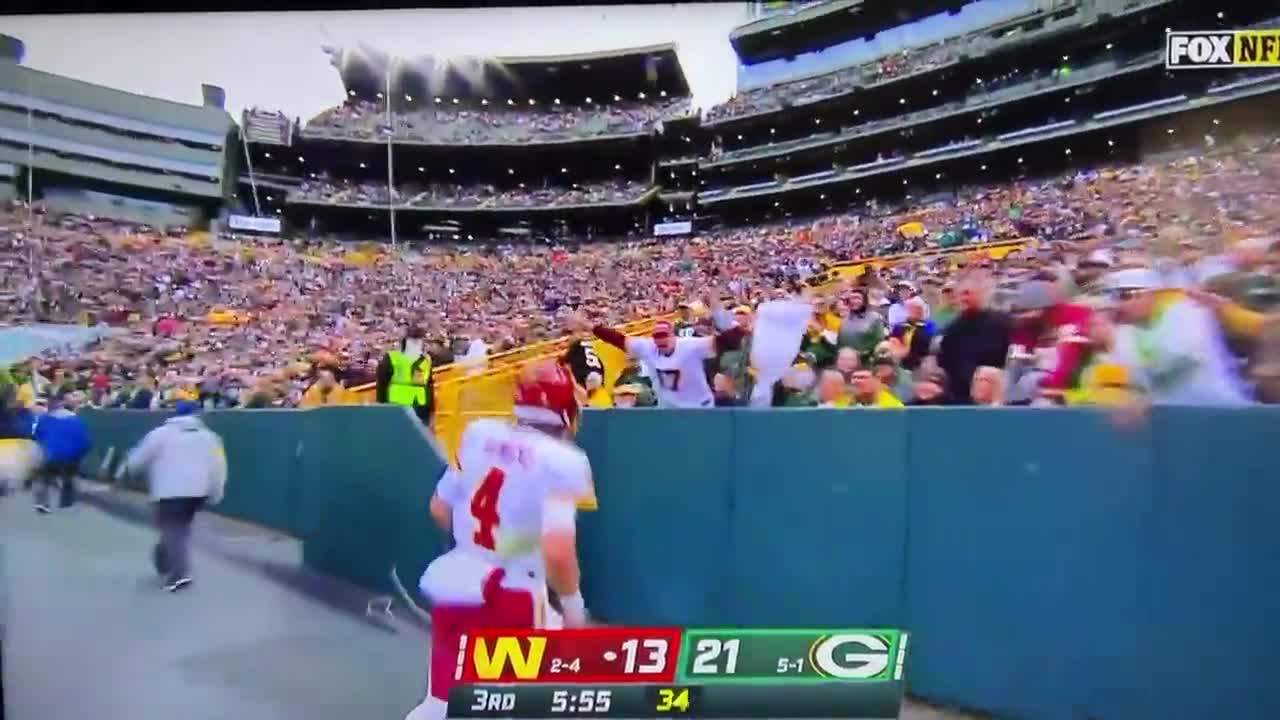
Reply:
x=484, y=508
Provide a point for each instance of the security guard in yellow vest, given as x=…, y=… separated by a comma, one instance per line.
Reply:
x=404, y=377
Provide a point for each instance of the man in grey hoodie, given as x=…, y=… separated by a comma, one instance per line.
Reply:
x=186, y=469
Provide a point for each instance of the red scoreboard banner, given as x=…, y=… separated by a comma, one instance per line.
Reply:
x=582, y=655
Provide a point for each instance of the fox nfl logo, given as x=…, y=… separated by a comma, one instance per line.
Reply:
x=1231, y=48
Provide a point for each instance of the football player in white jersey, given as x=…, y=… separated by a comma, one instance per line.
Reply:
x=678, y=363
x=511, y=507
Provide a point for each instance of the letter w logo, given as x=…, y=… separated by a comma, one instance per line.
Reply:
x=507, y=650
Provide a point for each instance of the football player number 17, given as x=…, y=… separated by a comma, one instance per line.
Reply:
x=484, y=507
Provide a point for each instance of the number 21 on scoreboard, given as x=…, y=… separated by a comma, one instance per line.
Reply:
x=709, y=652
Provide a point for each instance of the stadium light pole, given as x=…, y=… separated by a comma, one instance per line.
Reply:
x=248, y=161
x=31, y=159
x=31, y=155
x=391, y=177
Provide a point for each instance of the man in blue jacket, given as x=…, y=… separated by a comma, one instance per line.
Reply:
x=63, y=437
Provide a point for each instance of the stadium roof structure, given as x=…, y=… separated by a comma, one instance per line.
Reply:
x=651, y=71
x=822, y=25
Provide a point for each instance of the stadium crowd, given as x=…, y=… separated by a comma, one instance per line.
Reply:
x=1015, y=82
x=250, y=322
x=494, y=123
x=442, y=195
x=884, y=68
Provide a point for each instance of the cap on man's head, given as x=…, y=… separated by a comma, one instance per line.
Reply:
x=662, y=328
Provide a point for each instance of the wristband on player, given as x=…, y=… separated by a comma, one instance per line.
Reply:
x=573, y=605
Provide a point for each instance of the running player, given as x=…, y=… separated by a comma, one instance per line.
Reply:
x=511, y=507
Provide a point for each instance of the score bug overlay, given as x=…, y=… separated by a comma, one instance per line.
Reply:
x=792, y=656
x=618, y=673
x=581, y=655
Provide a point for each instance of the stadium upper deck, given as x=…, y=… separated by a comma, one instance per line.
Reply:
x=1042, y=28
x=98, y=150
x=788, y=32
x=1092, y=67
x=479, y=147
x=505, y=101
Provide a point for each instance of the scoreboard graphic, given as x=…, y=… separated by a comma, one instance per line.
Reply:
x=670, y=672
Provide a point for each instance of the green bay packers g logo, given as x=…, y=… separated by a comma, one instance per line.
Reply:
x=849, y=657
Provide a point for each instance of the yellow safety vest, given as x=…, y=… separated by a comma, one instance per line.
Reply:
x=408, y=387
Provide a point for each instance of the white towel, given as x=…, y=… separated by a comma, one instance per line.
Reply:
x=779, y=330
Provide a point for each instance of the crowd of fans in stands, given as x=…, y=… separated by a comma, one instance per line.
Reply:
x=443, y=195
x=1014, y=81
x=494, y=122
x=774, y=97
x=881, y=69
x=256, y=323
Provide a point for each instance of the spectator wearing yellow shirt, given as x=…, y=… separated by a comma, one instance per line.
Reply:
x=326, y=390
x=868, y=391
x=26, y=395
x=832, y=391
x=1102, y=381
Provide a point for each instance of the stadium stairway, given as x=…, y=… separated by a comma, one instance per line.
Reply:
x=89, y=632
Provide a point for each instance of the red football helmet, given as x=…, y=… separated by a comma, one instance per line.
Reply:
x=545, y=396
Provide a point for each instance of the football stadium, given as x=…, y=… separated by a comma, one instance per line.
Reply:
x=276, y=338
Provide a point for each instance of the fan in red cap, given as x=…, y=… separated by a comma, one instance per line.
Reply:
x=545, y=397
x=677, y=364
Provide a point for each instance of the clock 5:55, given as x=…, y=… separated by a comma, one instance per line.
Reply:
x=581, y=701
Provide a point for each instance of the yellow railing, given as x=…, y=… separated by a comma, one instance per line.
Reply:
x=464, y=394
x=512, y=358
x=854, y=268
